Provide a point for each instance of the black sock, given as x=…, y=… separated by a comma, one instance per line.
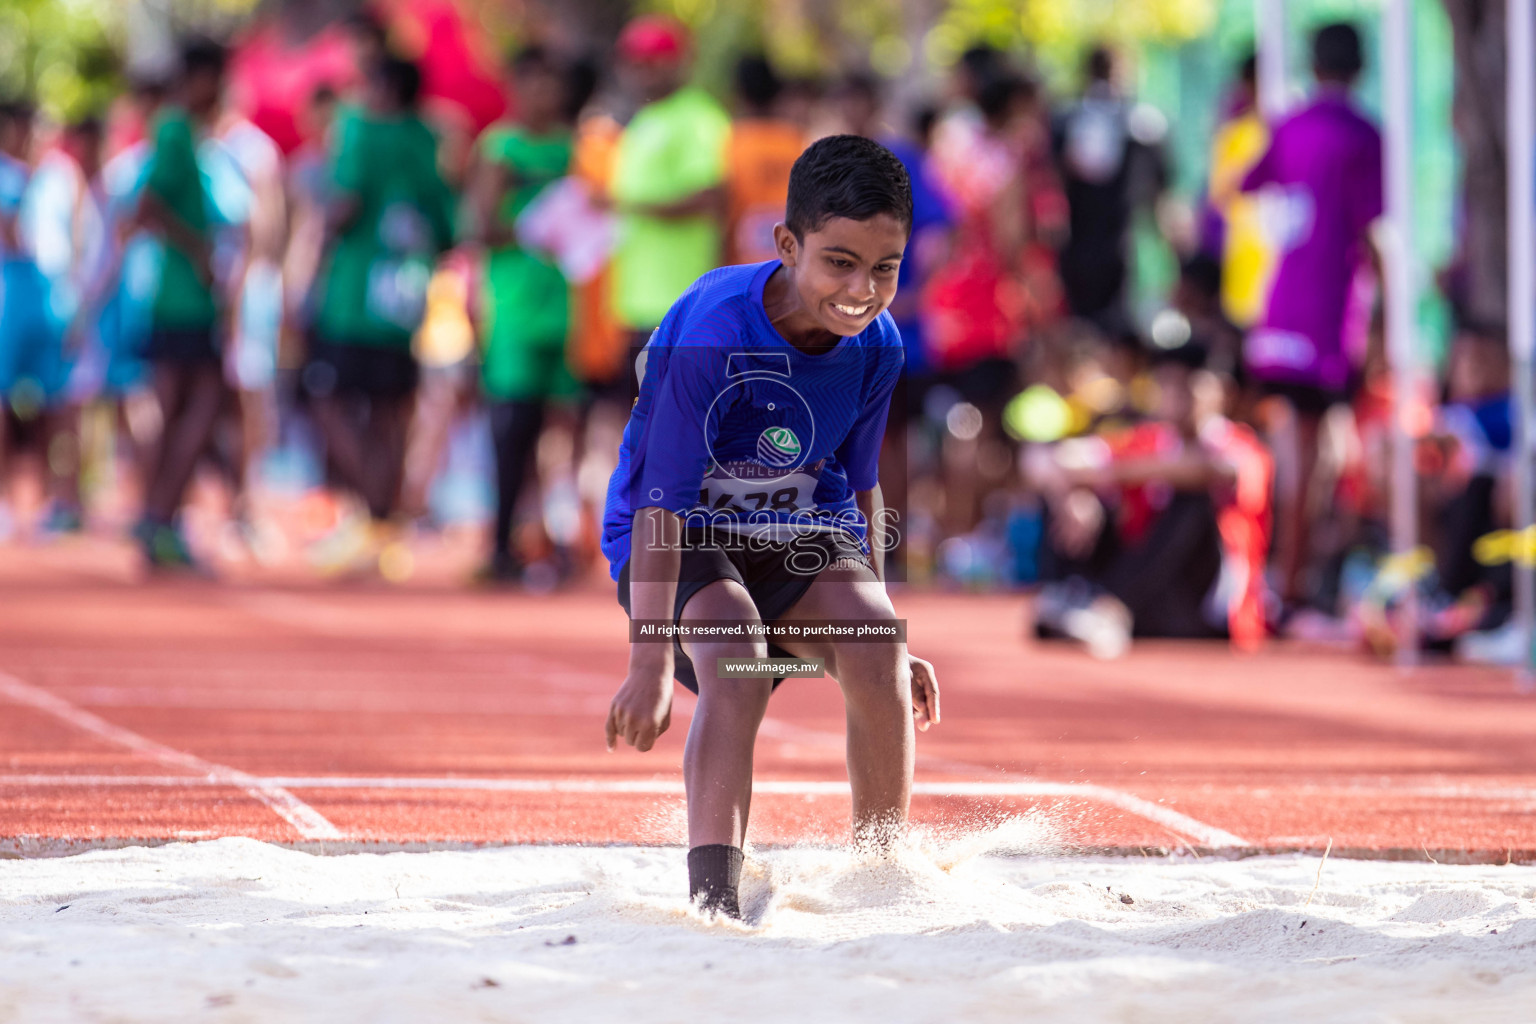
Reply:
x=714, y=872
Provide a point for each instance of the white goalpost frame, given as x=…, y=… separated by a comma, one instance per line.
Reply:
x=1401, y=297
x=1520, y=112
x=1270, y=53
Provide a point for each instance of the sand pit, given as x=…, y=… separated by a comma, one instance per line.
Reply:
x=981, y=928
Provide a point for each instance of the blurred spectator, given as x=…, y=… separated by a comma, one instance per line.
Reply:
x=668, y=177
x=23, y=296
x=1466, y=463
x=855, y=107
x=297, y=49
x=906, y=456
x=976, y=315
x=184, y=345
x=254, y=293
x=600, y=345
x=390, y=215
x=1110, y=153
x=798, y=101
x=932, y=235
x=1322, y=175
x=999, y=282
x=763, y=147
x=1246, y=257
x=65, y=221
x=308, y=189
x=1196, y=310
x=1141, y=520
x=122, y=297
x=527, y=321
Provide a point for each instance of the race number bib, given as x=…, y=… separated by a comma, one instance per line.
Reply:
x=794, y=492
x=766, y=506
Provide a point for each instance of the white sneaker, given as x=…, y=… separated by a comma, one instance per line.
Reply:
x=1104, y=627
x=1502, y=646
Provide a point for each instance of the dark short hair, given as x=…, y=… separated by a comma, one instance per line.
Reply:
x=87, y=127
x=858, y=83
x=1100, y=64
x=981, y=59
x=365, y=23
x=1336, y=51
x=532, y=59
x=401, y=78
x=924, y=119
x=846, y=176
x=580, y=83
x=202, y=56
x=998, y=93
x=20, y=111
x=756, y=81
x=1202, y=272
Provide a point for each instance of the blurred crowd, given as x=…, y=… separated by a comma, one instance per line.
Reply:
x=340, y=291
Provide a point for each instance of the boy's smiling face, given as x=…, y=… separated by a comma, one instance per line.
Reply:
x=844, y=272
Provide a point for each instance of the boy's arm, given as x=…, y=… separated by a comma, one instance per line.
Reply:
x=925, y=683
x=642, y=709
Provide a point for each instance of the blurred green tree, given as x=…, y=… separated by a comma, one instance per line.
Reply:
x=60, y=54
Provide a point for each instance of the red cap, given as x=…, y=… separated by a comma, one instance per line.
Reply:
x=653, y=38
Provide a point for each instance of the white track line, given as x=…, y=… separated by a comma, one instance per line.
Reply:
x=317, y=617
x=792, y=787
x=1182, y=824
x=1199, y=831
x=309, y=823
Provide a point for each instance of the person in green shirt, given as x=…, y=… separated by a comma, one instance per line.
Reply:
x=389, y=217
x=183, y=342
x=527, y=318
x=668, y=178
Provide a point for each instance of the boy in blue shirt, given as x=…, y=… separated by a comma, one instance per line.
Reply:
x=746, y=494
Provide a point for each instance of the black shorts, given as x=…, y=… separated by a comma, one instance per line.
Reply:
x=339, y=369
x=769, y=580
x=1308, y=398
x=181, y=345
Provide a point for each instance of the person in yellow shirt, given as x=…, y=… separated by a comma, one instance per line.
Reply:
x=1247, y=256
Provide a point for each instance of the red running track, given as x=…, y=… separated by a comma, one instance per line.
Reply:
x=431, y=715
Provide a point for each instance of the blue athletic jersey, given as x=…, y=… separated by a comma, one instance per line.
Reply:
x=736, y=428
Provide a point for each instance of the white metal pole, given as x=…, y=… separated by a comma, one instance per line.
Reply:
x=1270, y=51
x=1402, y=294
x=1521, y=113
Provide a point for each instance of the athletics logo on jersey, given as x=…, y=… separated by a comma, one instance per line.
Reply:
x=778, y=447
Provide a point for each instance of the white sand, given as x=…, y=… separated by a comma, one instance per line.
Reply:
x=974, y=929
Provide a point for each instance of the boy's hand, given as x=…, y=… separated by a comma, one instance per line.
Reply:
x=642, y=709
x=925, y=694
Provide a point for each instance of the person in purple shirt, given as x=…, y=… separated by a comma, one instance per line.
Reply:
x=1322, y=178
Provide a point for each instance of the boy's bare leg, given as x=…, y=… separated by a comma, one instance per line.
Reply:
x=876, y=680
x=717, y=760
